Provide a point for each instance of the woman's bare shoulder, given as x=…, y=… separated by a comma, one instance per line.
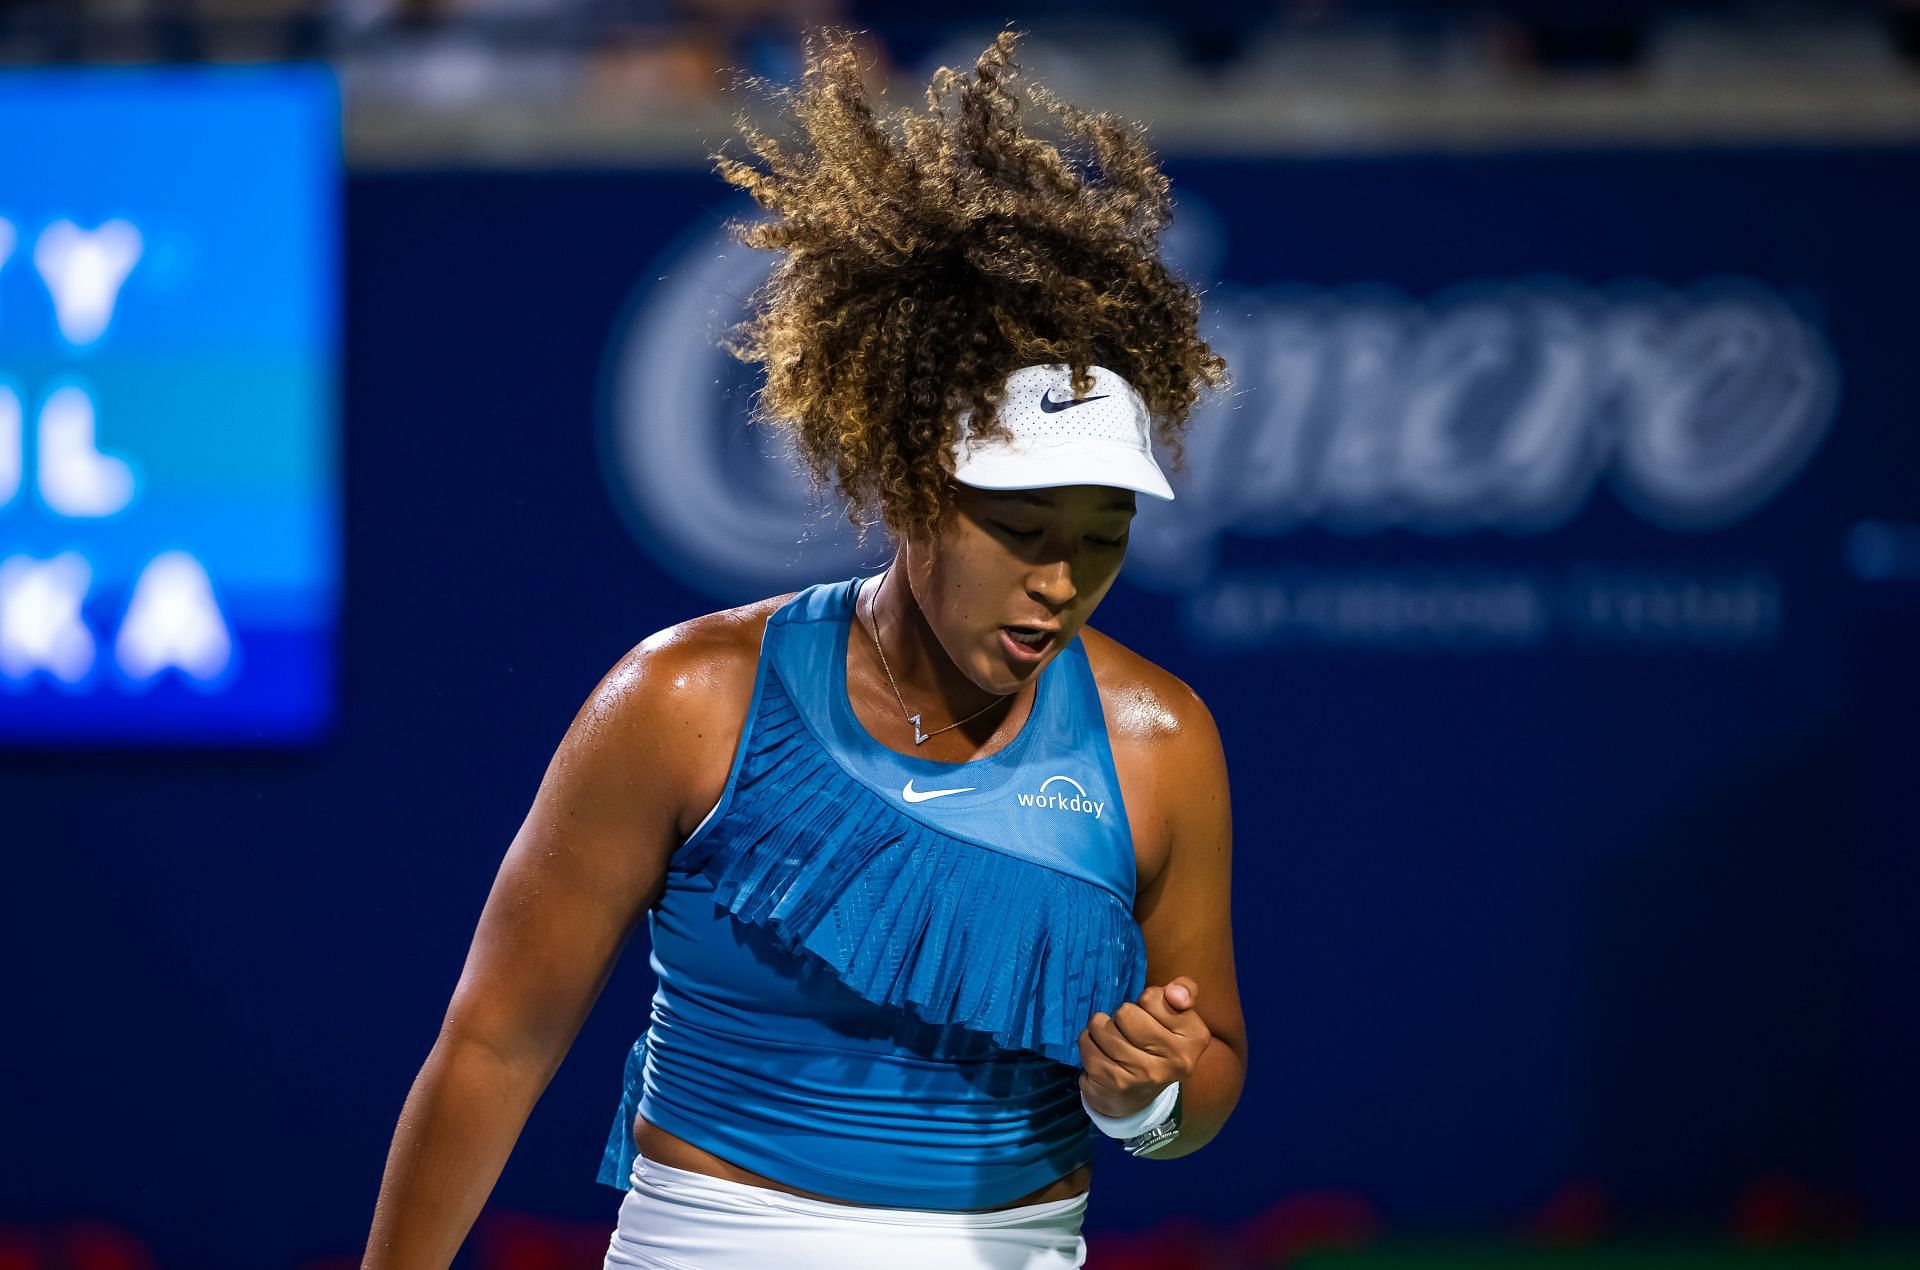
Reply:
x=1145, y=703
x=706, y=660
x=720, y=640
x=677, y=701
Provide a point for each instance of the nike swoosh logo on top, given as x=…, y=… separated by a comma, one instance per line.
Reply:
x=913, y=795
x=1049, y=406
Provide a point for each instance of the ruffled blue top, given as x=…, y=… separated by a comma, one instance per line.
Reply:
x=874, y=968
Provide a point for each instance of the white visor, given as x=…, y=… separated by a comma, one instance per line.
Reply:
x=1102, y=438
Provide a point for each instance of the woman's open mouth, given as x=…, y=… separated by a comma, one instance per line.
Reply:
x=1026, y=643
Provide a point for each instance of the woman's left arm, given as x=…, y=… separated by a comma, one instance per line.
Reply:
x=1187, y=1024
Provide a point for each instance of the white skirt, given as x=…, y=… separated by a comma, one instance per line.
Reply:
x=673, y=1219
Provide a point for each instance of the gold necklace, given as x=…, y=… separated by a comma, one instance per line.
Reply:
x=919, y=737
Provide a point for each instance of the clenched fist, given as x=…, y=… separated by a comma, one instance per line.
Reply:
x=1129, y=1056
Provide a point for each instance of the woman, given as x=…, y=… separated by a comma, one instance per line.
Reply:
x=936, y=875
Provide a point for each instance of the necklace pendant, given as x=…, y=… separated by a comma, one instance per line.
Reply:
x=918, y=737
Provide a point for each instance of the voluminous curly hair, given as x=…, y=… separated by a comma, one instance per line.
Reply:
x=927, y=255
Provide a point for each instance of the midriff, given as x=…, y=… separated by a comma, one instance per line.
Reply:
x=677, y=1153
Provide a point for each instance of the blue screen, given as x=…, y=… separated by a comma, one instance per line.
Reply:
x=169, y=467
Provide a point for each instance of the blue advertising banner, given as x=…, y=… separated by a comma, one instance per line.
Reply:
x=169, y=519
x=1552, y=570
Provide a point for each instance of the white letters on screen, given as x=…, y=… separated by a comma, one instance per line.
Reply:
x=40, y=625
x=12, y=444
x=173, y=620
x=83, y=271
x=75, y=478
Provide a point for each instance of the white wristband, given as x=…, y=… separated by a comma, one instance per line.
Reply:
x=1124, y=1127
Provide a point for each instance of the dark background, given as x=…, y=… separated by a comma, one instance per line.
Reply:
x=1595, y=940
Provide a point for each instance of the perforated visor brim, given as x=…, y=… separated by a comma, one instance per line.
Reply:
x=1045, y=467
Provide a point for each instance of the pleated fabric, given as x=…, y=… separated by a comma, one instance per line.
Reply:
x=995, y=946
x=908, y=916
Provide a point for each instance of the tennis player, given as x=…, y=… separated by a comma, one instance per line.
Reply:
x=936, y=875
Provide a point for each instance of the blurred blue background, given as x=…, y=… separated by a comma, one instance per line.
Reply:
x=1553, y=571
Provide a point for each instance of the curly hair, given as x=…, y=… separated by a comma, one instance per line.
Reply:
x=926, y=255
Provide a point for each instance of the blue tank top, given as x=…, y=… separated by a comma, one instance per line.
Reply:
x=874, y=968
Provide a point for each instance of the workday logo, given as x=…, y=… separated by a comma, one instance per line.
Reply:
x=1072, y=798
